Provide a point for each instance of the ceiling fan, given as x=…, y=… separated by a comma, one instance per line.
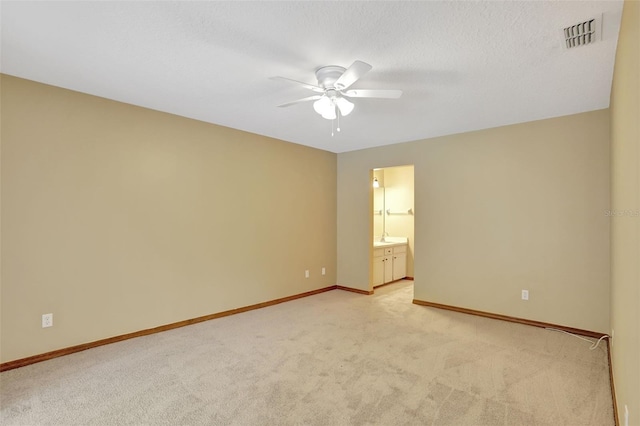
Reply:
x=331, y=99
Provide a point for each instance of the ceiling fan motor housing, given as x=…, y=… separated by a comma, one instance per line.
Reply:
x=327, y=76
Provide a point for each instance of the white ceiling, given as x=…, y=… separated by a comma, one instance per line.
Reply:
x=462, y=65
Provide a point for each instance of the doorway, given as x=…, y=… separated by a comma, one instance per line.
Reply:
x=393, y=225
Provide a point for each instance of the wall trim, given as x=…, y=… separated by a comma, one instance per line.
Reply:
x=354, y=290
x=10, y=365
x=534, y=323
x=613, y=388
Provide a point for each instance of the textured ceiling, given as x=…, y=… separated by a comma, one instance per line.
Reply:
x=462, y=65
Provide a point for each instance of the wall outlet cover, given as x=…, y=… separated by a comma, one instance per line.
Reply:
x=47, y=320
x=525, y=294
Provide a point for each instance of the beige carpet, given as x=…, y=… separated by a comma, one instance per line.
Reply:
x=336, y=358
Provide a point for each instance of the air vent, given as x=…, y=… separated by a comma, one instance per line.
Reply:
x=580, y=34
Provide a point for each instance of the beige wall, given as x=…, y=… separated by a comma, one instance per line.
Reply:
x=117, y=218
x=497, y=211
x=625, y=223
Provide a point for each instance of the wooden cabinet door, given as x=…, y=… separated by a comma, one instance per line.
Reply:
x=388, y=269
x=378, y=271
x=399, y=266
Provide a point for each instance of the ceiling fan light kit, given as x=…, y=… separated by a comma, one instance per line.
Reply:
x=333, y=82
x=326, y=106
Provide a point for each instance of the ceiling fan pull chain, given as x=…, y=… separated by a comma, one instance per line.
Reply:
x=338, y=115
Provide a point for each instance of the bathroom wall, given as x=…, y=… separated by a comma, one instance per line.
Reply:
x=378, y=204
x=497, y=211
x=117, y=218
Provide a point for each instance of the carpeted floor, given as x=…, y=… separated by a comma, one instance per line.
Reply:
x=336, y=358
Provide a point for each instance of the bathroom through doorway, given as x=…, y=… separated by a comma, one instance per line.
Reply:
x=392, y=225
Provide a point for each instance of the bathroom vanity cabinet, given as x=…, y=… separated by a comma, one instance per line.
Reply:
x=389, y=263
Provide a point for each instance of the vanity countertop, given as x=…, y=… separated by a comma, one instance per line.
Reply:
x=390, y=241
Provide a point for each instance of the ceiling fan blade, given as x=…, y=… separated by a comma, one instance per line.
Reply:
x=352, y=74
x=364, y=93
x=306, y=85
x=308, y=98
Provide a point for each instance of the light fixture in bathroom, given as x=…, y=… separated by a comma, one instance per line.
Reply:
x=376, y=184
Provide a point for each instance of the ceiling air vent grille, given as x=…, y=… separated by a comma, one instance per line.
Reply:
x=580, y=34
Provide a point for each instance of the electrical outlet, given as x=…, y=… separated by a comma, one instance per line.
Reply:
x=525, y=294
x=324, y=271
x=306, y=273
x=47, y=320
